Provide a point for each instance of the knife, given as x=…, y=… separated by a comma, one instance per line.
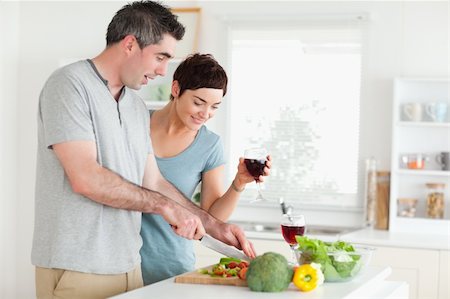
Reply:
x=222, y=248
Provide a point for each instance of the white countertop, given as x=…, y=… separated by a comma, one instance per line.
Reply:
x=374, y=237
x=368, y=284
x=394, y=239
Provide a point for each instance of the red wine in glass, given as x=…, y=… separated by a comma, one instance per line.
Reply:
x=292, y=225
x=255, y=167
x=255, y=161
x=289, y=232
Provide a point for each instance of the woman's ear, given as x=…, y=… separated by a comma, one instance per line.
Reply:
x=175, y=89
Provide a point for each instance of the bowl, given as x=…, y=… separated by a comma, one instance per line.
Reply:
x=338, y=265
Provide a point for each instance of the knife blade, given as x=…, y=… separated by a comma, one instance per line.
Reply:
x=222, y=248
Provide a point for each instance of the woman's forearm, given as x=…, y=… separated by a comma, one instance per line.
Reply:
x=223, y=207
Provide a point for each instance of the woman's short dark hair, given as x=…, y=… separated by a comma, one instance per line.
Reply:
x=200, y=71
x=147, y=21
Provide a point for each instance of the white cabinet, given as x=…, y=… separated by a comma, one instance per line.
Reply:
x=157, y=92
x=426, y=271
x=414, y=131
x=419, y=268
x=444, y=274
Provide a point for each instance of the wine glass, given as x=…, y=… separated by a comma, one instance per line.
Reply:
x=255, y=160
x=291, y=226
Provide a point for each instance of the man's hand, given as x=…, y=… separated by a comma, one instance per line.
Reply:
x=184, y=223
x=232, y=235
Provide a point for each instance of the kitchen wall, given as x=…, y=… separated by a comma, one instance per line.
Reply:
x=404, y=39
x=9, y=40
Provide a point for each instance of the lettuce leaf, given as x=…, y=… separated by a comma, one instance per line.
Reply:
x=336, y=266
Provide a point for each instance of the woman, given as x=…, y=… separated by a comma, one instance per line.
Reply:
x=188, y=153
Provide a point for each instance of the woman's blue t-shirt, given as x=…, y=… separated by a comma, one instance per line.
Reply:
x=164, y=254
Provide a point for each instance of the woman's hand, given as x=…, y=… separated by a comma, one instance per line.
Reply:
x=243, y=177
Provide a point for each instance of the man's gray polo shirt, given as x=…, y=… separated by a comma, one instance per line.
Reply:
x=71, y=231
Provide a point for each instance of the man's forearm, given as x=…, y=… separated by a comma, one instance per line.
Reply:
x=109, y=188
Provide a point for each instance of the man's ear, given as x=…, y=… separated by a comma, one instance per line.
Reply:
x=129, y=42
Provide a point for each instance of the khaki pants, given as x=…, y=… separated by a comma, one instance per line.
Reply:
x=59, y=283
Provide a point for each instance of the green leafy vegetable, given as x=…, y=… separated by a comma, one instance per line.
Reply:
x=338, y=259
x=226, y=260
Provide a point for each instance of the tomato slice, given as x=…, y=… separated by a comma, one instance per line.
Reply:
x=243, y=273
x=232, y=265
x=243, y=264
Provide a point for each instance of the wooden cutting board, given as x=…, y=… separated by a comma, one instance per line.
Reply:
x=196, y=277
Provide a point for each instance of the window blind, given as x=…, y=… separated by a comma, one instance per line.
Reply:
x=296, y=91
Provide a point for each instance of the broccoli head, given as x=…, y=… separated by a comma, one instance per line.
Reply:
x=269, y=272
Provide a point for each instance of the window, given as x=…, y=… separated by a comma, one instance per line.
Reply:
x=296, y=91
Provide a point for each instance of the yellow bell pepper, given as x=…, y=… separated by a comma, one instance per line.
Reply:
x=307, y=277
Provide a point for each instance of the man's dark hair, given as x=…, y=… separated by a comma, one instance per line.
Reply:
x=147, y=21
x=200, y=71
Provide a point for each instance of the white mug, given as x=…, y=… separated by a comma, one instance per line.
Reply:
x=437, y=111
x=413, y=111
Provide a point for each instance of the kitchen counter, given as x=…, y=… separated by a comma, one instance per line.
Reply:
x=393, y=239
x=369, y=284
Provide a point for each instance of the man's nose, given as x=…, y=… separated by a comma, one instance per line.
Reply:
x=162, y=68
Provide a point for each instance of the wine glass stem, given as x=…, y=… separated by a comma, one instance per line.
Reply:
x=294, y=256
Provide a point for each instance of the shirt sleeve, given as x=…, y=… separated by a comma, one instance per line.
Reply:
x=216, y=157
x=64, y=112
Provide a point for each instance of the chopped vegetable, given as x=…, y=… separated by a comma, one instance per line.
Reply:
x=243, y=273
x=232, y=265
x=227, y=267
x=227, y=260
x=203, y=271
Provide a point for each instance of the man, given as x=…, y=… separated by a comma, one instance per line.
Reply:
x=94, y=152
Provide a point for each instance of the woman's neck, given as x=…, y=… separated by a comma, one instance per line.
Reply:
x=169, y=121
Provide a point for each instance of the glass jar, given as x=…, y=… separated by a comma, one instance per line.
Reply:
x=407, y=207
x=413, y=161
x=371, y=191
x=435, y=200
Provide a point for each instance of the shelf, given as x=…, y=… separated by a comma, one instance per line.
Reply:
x=423, y=124
x=423, y=172
x=437, y=220
x=419, y=137
x=422, y=225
